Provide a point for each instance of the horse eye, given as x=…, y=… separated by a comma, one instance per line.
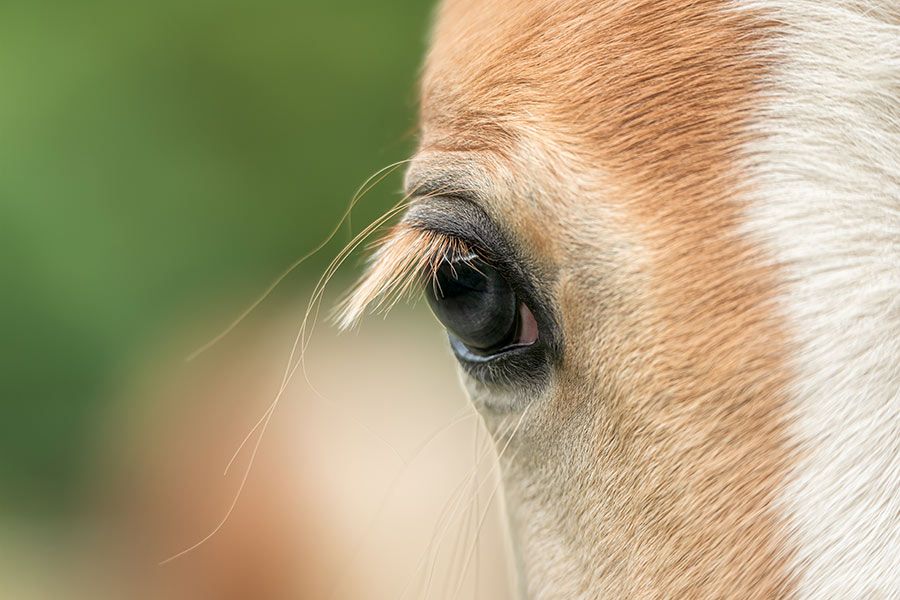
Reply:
x=479, y=308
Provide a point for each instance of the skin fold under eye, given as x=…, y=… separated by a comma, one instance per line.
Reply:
x=479, y=308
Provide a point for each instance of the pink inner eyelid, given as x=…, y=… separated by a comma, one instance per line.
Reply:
x=528, y=327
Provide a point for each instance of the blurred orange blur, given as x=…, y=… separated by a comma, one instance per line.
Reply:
x=362, y=486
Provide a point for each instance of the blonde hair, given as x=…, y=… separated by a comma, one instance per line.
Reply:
x=404, y=261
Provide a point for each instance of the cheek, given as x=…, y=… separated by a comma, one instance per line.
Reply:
x=493, y=399
x=605, y=337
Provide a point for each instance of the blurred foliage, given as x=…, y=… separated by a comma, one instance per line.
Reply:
x=157, y=157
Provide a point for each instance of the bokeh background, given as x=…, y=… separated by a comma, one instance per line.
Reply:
x=160, y=164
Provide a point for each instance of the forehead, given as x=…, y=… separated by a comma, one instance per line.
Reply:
x=633, y=85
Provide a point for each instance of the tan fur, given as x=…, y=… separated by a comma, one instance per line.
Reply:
x=605, y=137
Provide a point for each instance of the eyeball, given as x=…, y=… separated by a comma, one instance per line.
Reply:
x=479, y=308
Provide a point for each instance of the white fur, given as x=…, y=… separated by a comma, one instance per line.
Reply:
x=826, y=204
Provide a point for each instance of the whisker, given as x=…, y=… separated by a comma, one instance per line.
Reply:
x=234, y=501
x=302, y=338
x=385, y=288
x=262, y=424
x=469, y=518
x=445, y=520
x=367, y=186
x=489, y=501
x=481, y=521
x=452, y=506
x=477, y=509
x=391, y=488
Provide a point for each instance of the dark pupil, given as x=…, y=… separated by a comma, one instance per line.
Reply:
x=475, y=304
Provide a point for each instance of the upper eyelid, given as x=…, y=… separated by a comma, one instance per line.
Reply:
x=429, y=182
x=457, y=217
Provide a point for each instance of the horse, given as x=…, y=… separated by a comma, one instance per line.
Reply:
x=664, y=240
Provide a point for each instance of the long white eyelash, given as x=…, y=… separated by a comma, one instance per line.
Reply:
x=405, y=260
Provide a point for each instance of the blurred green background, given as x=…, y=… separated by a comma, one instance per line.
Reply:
x=161, y=158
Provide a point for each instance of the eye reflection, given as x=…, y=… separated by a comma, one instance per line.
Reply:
x=479, y=308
